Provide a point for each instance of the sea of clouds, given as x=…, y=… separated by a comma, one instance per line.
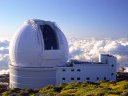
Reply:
x=4, y=57
x=89, y=49
x=86, y=50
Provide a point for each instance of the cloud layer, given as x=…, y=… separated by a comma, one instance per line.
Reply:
x=4, y=44
x=91, y=48
x=87, y=50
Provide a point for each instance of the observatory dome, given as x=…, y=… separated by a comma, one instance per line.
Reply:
x=38, y=43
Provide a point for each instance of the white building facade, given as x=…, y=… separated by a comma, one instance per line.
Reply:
x=88, y=71
x=39, y=52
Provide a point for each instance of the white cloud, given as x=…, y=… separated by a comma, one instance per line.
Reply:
x=4, y=58
x=4, y=71
x=88, y=49
x=4, y=43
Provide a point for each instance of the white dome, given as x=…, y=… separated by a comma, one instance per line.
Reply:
x=38, y=43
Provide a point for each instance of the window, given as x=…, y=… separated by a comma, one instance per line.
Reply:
x=87, y=78
x=78, y=70
x=72, y=69
x=50, y=37
x=63, y=78
x=72, y=78
x=78, y=78
x=112, y=74
x=112, y=65
x=63, y=70
x=97, y=78
x=105, y=78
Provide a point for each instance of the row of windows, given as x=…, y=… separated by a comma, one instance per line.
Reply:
x=78, y=78
x=72, y=70
x=79, y=69
x=88, y=78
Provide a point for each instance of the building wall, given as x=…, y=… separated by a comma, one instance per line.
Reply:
x=31, y=77
x=86, y=72
x=38, y=77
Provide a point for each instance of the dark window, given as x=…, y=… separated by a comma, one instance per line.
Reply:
x=78, y=69
x=72, y=69
x=50, y=37
x=112, y=65
x=72, y=78
x=63, y=70
x=112, y=74
x=97, y=78
x=87, y=78
x=63, y=78
x=105, y=78
x=78, y=78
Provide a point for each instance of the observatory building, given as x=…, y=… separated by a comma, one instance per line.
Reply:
x=39, y=52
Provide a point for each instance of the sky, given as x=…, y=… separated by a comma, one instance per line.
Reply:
x=92, y=26
x=77, y=18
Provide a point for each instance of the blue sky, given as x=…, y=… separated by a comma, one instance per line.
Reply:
x=76, y=18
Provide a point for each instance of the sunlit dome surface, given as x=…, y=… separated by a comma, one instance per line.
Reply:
x=38, y=43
